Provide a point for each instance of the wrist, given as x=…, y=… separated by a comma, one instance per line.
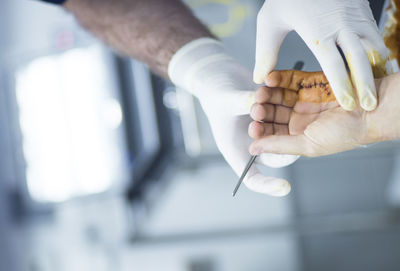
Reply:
x=185, y=63
x=382, y=124
x=374, y=131
x=203, y=68
x=204, y=64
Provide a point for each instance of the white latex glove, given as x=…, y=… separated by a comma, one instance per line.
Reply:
x=324, y=24
x=226, y=93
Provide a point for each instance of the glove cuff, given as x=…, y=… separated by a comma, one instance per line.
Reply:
x=191, y=57
x=203, y=68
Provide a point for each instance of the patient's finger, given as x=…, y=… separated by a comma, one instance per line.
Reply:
x=263, y=112
x=281, y=79
x=282, y=144
x=278, y=96
x=282, y=114
x=310, y=108
x=259, y=130
x=280, y=129
x=270, y=113
x=269, y=95
x=290, y=97
x=295, y=80
x=314, y=93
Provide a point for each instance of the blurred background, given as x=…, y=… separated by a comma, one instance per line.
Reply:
x=105, y=166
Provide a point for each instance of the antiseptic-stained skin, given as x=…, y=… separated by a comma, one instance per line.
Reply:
x=310, y=87
x=291, y=100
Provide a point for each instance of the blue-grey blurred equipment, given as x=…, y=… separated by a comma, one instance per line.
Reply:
x=71, y=123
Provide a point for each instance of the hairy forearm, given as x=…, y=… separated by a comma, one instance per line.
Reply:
x=149, y=30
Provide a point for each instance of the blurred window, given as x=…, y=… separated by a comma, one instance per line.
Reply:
x=70, y=119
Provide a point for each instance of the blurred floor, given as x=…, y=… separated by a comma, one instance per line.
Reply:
x=195, y=223
x=193, y=227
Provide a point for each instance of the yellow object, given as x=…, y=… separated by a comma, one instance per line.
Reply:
x=237, y=13
x=378, y=64
x=392, y=30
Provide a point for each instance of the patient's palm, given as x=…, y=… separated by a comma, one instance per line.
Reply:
x=303, y=103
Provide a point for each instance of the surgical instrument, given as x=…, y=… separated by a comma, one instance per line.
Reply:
x=246, y=169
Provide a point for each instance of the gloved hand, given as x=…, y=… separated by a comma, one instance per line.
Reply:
x=314, y=124
x=226, y=93
x=324, y=24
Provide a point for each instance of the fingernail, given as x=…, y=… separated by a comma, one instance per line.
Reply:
x=282, y=189
x=349, y=103
x=252, y=109
x=268, y=81
x=255, y=151
x=369, y=101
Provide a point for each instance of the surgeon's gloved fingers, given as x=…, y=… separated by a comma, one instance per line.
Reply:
x=268, y=41
x=277, y=160
x=281, y=79
x=240, y=102
x=333, y=66
x=377, y=52
x=259, y=130
x=272, y=186
x=360, y=68
x=373, y=41
x=282, y=144
x=379, y=60
x=233, y=141
x=229, y=102
x=238, y=158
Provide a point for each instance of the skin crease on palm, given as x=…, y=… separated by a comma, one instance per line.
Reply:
x=298, y=114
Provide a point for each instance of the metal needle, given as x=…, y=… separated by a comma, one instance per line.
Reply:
x=246, y=169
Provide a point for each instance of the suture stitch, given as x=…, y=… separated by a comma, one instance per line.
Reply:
x=321, y=85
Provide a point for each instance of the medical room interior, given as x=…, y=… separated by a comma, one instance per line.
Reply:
x=106, y=166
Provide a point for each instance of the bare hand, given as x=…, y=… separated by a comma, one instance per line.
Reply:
x=298, y=114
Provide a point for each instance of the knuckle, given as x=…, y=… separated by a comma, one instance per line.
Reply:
x=257, y=112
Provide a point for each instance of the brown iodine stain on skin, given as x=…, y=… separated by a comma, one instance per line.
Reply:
x=308, y=87
x=290, y=97
x=316, y=93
